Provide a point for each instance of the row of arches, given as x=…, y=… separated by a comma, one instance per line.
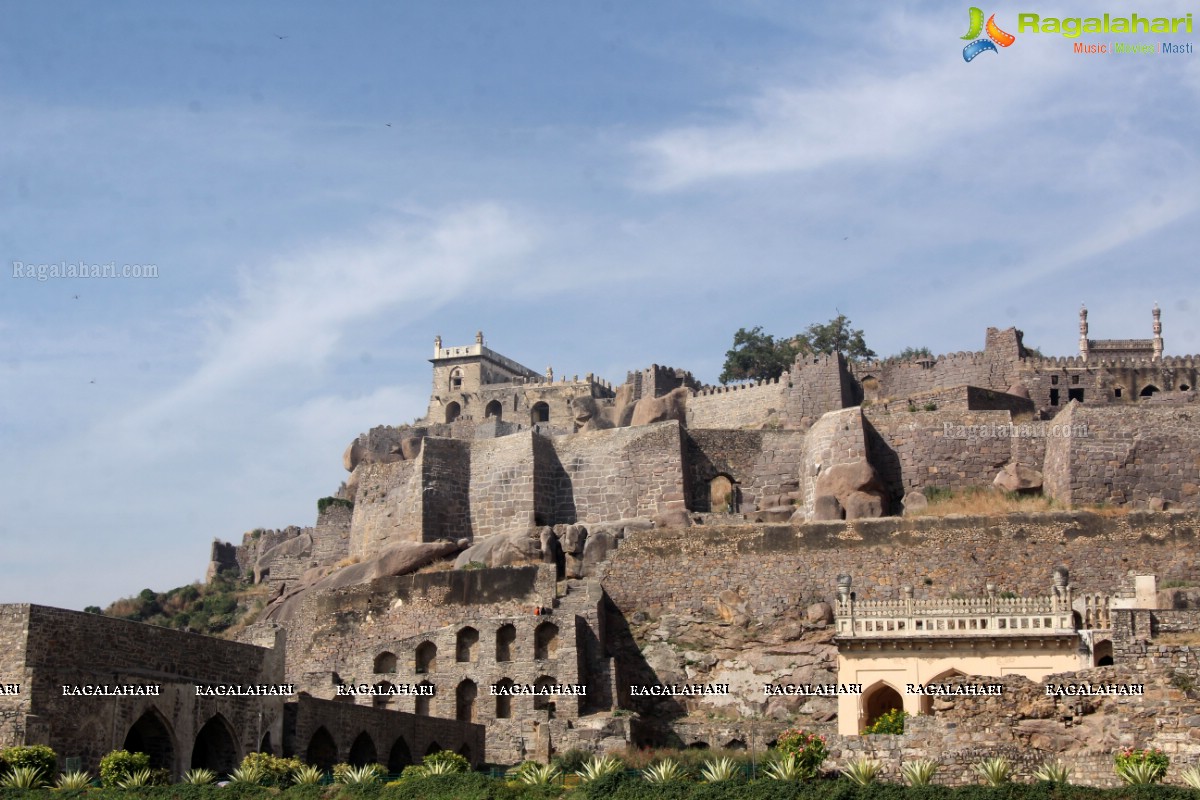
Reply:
x=215, y=746
x=322, y=751
x=467, y=649
x=538, y=412
x=466, y=698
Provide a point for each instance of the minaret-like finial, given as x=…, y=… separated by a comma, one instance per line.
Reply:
x=1083, y=332
x=437, y=344
x=550, y=374
x=478, y=337
x=1158, y=340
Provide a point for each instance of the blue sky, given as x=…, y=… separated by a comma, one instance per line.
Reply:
x=596, y=185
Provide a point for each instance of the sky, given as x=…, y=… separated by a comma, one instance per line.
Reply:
x=320, y=189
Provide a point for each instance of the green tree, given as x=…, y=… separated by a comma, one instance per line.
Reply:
x=913, y=353
x=759, y=356
x=837, y=336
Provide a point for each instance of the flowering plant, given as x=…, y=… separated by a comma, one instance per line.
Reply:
x=1151, y=763
x=809, y=749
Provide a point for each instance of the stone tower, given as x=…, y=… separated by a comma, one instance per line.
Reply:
x=1158, y=340
x=1083, y=332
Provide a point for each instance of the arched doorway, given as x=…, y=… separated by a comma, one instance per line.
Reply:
x=453, y=409
x=493, y=410
x=322, y=750
x=466, y=645
x=941, y=677
x=362, y=751
x=434, y=747
x=1102, y=653
x=464, y=701
x=383, y=699
x=1150, y=390
x=543, y=699
x=399, y=756
x=504, y=698
x=722, y=495
x=265, y=745
x=424, y=705
x=385, y=663
x=879, y=700
x=539, y=413
x=215, y=747
x=151, y=735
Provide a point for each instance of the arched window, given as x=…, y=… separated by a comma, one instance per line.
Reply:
x=456, y=379
x=493, y=410
x=503, y=700
x=385, y=664
x=543, y=700
x=453, y=409
x=539, y=413
x=464, y=701
x=424, y=705
x=1102, y=653
x=545, y=641
x=466, y=645
x=506, y=639
x=426, y=657
x=722, y=495
x=1150, y=390
x=382, y=700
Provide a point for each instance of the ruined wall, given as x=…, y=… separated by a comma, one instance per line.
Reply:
x=14, y=621
x=395, y=740
x=1125, y=455
x=765, y=465
x=1158, y=639
x=996, y=368
x=619, y=473
x=776, y=567
x=922, y=449
x=836, y=438
x=502, y=486
x=737, y=406
x=388, y=506
x=1105, y=380
x=818, y=384
x=445, y=490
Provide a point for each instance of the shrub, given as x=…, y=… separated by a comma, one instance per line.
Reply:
x=361, y=776
x=539, y=774
x=38, y=756
x=137, y=779
x=571, y=761
x=808, y=749
x=1054, y=772
x=251, y=775
x=1191, y=776
x=787, y=768
x=995, y=771
x=22, y=778
x=664, y=771
x=73, y=780
x=596, y=767
x=862, y=771
x=460, y=763
x=891, y=722
x=719, y=769
x=1141, y=766
x=307, y=775
x=919, y=772
x=275, y=771
x=199, y=777
x=120, y=764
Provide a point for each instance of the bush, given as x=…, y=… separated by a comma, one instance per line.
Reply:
x=808, y=748
x=571, y=761
x=1141, y=766
x=38, y=756
x=119, y=765
x=274, y=771
x=459, y=763
x=891, y=722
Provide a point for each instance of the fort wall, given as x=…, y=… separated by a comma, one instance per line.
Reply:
x=388, y=506
x=738, y=405
x=763, y=465
x=502, y=485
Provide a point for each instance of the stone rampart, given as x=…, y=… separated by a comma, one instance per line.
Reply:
x=740, y=405
x=763, y=465
x=836, y=438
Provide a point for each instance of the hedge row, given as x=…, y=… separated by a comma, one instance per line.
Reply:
x=475, y=786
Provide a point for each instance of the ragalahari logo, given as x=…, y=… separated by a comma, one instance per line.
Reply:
x=995, y=35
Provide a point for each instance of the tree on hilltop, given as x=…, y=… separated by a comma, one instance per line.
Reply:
x=913, y=354
x=760, y=356
x=837, y=336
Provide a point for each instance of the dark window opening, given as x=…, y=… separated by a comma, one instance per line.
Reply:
x=1075, y=394
x=1054, y=397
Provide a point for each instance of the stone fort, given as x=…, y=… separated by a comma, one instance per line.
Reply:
x=535, y=552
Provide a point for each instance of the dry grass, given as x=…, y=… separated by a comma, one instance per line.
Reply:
x=347, y=561
x=987, y=501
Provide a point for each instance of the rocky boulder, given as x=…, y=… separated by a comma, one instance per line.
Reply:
x=502, y=550
x=1018, y=478
x=826, y=508
x=672, y=405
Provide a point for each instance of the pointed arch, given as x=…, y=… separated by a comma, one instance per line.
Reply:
x=466, y=645
x=426, y=657
x=1148, y=390
x=504, y=698
x=382, y=700
x=425, y=702
x=399, y=756
x=464, y=700
x=1102, y=653
x=363, y=752
x=544, y=700
x=151, y=734
x=879, y=698
x=453, y=410
x=434, y=747
x=494, y=410
x=216, y=747
x=322, y=749
x=545, y=641
x=506, y=639
x=540, y=412
x=264, y=746
x=941, y=677
x=385, y=663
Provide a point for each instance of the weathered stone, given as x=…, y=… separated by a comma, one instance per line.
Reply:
x=819, y=613
x=673, y=518
x=1016, y=477
x=778, y=514
x=827, y=508
x=863, y=505
x=672, y=405
x=596, y=549
x=915, y=501
x=502, y=550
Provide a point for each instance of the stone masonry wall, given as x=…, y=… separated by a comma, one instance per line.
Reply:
x=737, y=406
x=387, y=507
x=764, y=464
x=619, y=473
x=446, y=489
x=1134, y=634
x=836, y=438
x=502, y=484
x=776, y=567
x=1127, y=455
x=14, y=624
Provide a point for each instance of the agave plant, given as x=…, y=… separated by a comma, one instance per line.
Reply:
x=73, y=780
x=862, y=771
x=200, y=776
x=1053, y=771
x=364, y=775
x=919, y=772
x=137, y=779
x=539, y=775
x=664, y=771
x=719, y=769
x=786, y=769
x=250, y=774
x=22, y=778
x=597, y=767
x=1139, y=773
x=439, y=768
x=307, y=775
x=995, y=771
x=1191, y=776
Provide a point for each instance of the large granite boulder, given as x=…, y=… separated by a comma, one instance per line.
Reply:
x=1016, y=477
x=672, y=405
